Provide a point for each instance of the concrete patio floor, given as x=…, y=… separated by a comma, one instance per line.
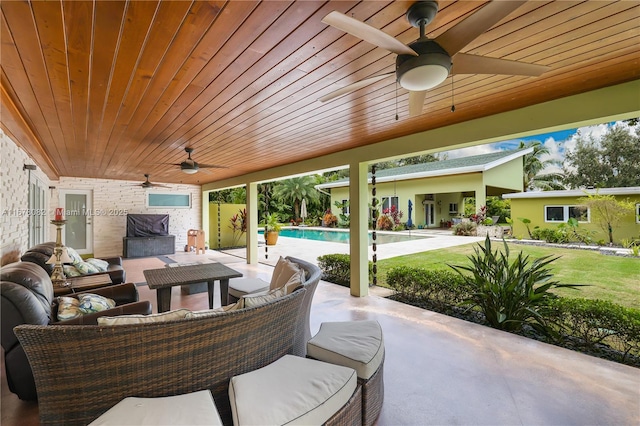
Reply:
x=441, y=370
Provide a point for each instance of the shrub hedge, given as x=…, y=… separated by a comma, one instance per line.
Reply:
x=593, y=324
x=336, y=268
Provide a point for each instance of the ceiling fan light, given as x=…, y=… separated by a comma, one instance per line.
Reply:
x=423, y=72
x=190, y=171
x=423, y=77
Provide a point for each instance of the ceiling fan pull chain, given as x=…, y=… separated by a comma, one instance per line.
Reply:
x=453, y=107
x=396, y=100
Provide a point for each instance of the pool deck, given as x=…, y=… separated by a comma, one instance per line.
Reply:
x=309, y=250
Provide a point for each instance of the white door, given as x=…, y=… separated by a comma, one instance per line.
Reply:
x=37, y=209
x=78, y=231
x=429, y=213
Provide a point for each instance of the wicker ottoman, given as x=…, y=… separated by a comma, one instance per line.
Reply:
x=296, y=390
x=358, y=345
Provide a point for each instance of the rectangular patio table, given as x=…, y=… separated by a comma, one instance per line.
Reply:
x=163, y=279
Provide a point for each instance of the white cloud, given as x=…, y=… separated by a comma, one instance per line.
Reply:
x=470, y=151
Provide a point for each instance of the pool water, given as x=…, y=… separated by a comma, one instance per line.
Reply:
x=343, y=236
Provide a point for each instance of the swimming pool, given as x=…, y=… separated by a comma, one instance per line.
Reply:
x=336, y=236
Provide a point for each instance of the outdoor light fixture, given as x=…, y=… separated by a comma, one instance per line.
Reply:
x=423, y=72
x=190, y=171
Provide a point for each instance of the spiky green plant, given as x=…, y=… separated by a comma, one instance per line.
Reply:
x=509, y=294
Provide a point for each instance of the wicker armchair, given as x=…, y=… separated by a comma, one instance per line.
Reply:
x=81, y=371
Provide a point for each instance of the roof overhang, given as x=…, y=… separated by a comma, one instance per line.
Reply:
x=633, y=190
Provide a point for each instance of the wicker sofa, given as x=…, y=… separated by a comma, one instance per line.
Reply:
x=82, y=371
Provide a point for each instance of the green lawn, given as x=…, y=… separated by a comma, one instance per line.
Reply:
x=612, y=278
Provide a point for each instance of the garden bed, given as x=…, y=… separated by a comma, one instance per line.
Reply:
x=566, y=341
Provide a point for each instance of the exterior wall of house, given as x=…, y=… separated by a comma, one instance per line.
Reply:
x=446, y=189
x=227, y=237
x=114, y=196
x=117, y=198
x=534, y=208
x=14, y=199
x=509, y=175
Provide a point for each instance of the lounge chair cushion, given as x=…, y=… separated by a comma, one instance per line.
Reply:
x=241, y=286
x=291, y=390
x=195, y=408
x=355, y=344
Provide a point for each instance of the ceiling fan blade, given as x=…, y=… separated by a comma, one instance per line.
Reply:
x=463, y=33
x=353, y=87
x=416, y=102
x=463, y=63
x=367, y=33
x=211, y=166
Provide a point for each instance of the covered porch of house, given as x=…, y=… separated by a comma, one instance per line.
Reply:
x=608, y=104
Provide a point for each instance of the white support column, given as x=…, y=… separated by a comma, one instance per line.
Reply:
x=252, y=223
x=359, y=238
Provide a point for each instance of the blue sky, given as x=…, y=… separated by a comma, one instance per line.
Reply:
x=557, y=143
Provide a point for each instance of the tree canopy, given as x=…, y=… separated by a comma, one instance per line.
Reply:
x=610, y=162
x=533, y=167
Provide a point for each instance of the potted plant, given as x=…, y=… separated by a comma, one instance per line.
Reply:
x=271, y=229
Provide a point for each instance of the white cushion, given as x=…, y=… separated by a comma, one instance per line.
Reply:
x=214, y=312
x=240, y=287
x=140, y=319
x=195, y=408
x=251, y=300
x=282, y=272
x=355, y=344
x=291, y=390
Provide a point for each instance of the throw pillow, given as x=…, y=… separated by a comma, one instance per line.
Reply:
x=282, y=273
x=252, y=300
x=68, y=308
x=71, y=271
x=90, y=303
x=294, y=282
x=73, y=254
x=141, y=319
x=86, y=268
x=102, y=265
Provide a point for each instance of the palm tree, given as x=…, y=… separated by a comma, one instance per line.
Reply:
x=532, y=179
x=296, y=189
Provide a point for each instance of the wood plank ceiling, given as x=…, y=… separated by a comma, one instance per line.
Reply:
x=116, y=89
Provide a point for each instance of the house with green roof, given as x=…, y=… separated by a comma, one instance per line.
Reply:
x=436, y=190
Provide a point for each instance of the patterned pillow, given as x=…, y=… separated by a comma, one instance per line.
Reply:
x=86, y=268
x=102, y=265
x=68, y=308
x=73, y=254
x=90, y=303
x=71, y=271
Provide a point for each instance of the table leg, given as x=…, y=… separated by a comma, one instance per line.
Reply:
x=211, y=287
x=164, y=299
x=224, y=291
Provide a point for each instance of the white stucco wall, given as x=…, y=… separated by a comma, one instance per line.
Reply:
x=115, y=198
x=14, y=199
x=108, y=195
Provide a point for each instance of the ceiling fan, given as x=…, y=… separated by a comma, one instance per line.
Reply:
x=189, y=166
x=426, y=63
x=148, y=184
